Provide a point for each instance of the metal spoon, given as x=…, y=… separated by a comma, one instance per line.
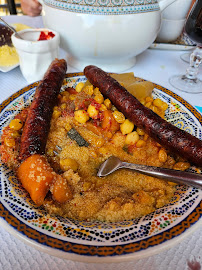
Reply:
x=11, y=28
x=181, y=177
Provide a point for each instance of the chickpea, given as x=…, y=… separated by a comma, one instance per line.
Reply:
x=132, y=138
x=65, y=98
x=81, y=116
x=119, y=117
x=79, y=87
x=126, y=127
x=140, y=131
x=103, y=108
x=99, y=98
x=97, y=91
x=108, y=103
x=140, y=143
x=162, y=155
x=104, y=151
x=16, y=124
x=65, y=93
x=158, y=102
x=148, y=104
x=56, y=114
x=72, y=97
x=146, y=136
x=14, y=134
x=182, y=166
x=69, y=163
x=92, y=111
x=88, y=89
x=113, y=108
x=154, y=109
x=149, y=99
x=10, y=142
x=165, y=106
x=63, y=106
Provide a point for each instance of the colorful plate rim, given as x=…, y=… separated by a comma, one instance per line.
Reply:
x=92, y=253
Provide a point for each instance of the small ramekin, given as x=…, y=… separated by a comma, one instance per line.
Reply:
x=35, y=56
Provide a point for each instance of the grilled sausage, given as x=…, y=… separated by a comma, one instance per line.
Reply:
x=37, y=125
x=169, y=136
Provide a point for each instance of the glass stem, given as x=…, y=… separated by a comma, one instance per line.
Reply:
x=195, y=60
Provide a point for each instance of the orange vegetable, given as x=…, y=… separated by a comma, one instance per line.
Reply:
x=36, y=176
x=95, y=129
x=108, y=122
x=60, y=190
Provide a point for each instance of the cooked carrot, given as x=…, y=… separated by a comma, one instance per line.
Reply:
x=109, y=122
x=36, y=176
x=60, y=190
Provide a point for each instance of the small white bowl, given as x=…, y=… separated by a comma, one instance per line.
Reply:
x=177, y=10
x=35, y=56
x=170, y=30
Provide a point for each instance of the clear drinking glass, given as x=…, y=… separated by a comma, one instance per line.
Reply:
x=185, y=57
x=189, y=82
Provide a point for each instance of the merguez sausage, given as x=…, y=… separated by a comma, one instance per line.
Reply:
x=37, y=125
x=169, y=136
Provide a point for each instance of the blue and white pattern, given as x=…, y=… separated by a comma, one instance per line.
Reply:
x=105, y=7
x=18, y=204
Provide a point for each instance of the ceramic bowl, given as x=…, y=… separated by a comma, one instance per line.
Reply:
x=105, y=33
x=177, y=10
x=170, y=30
x=101, y=242
x=35, y=56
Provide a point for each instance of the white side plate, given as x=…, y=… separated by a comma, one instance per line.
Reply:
x=9, y=68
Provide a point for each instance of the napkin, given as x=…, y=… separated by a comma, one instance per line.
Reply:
x=14, y=254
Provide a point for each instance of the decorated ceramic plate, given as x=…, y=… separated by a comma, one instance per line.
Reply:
x=183, y=43
x=100, y=241
x=172, y=47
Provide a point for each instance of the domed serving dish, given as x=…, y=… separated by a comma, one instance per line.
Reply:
x=106, y=33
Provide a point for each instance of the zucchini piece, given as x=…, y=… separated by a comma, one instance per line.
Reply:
x=74, y=135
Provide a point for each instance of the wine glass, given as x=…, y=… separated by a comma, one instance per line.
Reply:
x=185, y=57
x=189, y=82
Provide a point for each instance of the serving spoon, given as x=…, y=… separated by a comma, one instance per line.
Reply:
x=180, y=177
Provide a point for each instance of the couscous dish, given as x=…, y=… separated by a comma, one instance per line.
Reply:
x=85, y=130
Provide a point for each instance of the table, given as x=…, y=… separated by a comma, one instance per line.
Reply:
x=153, y=65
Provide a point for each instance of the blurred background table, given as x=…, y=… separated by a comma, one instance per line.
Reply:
x=154, y=65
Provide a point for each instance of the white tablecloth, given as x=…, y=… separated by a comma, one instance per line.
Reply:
x=153, y=65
